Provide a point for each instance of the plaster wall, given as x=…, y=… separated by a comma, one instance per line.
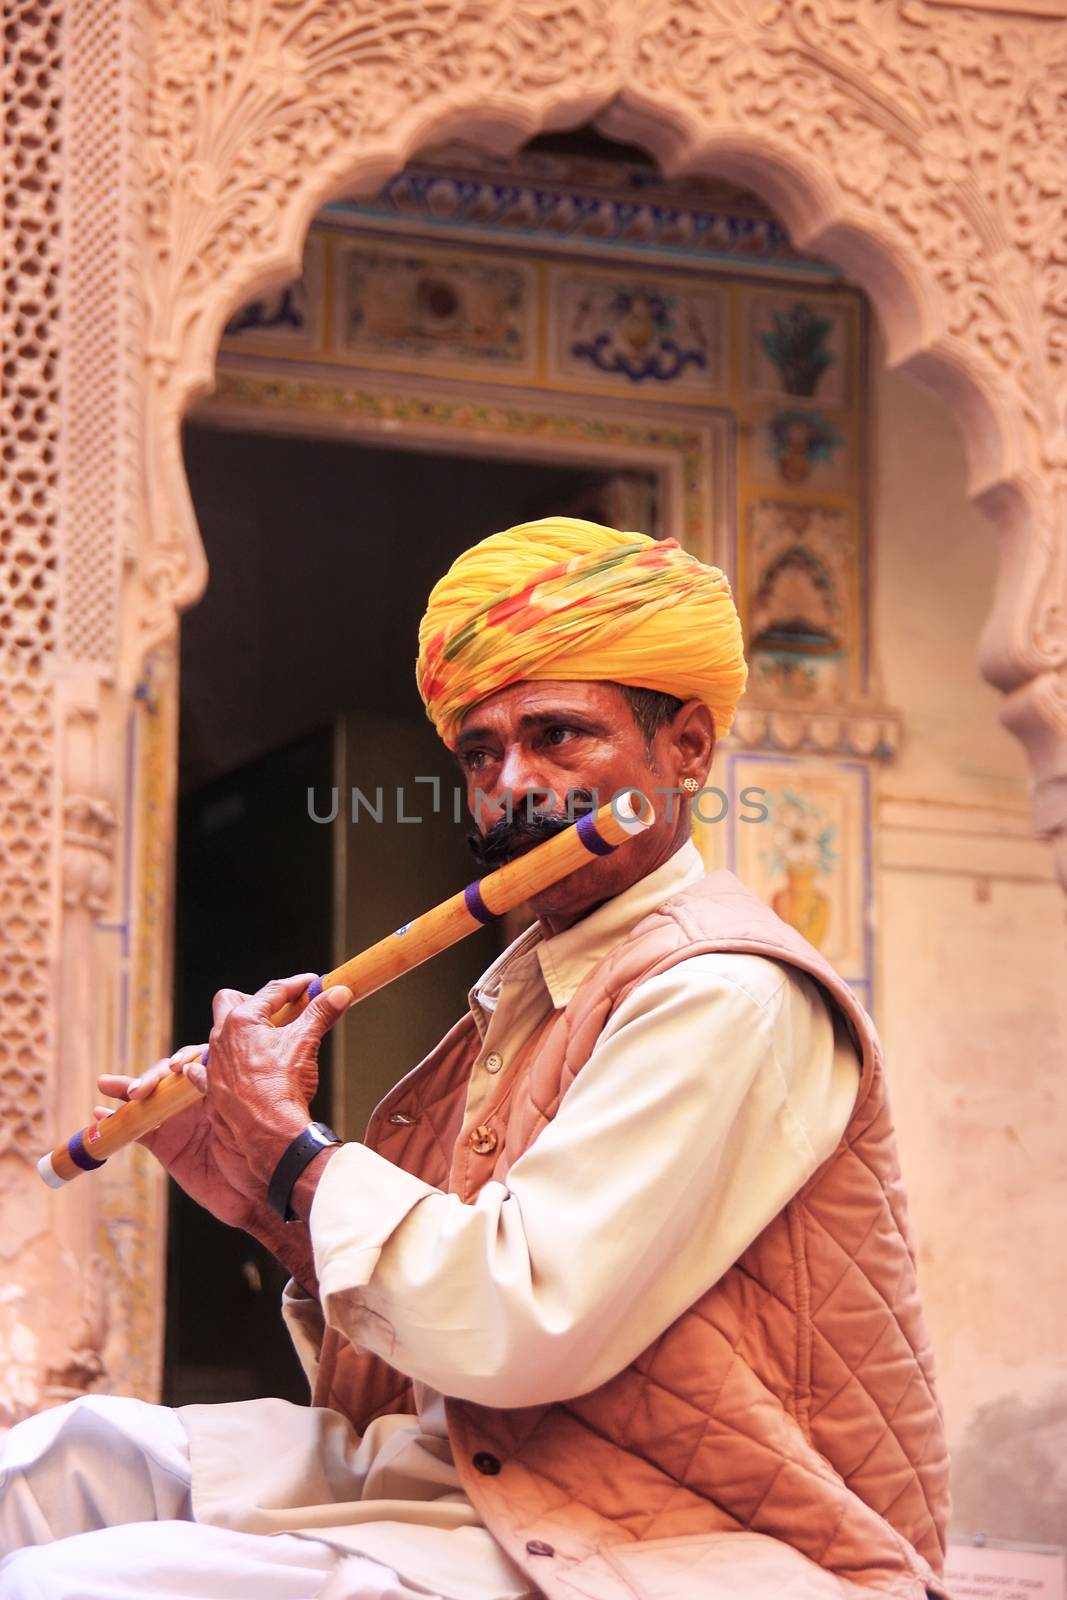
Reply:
x=972, y=1008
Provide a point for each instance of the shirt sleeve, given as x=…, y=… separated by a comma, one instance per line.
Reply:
x=303, y=1318
x=712, y=1095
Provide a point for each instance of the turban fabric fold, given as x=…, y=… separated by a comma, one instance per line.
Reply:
x=566, y=599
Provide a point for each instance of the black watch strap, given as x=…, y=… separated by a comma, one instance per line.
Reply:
x=304, y=1148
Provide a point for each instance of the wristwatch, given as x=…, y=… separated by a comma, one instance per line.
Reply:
x=304, y=1148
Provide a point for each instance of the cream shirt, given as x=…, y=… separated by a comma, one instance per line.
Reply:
x=713, y=1093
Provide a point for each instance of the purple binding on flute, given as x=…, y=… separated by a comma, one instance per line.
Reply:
x=314, y=988
x=594, y=842
x=79, y=1155
x=477, y=907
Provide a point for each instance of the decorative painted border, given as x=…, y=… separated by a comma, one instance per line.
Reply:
x=648, y=220
x=691, y=452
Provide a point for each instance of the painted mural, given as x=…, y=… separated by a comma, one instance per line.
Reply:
x=638, y=334
x=797, y=831
x=801, y=617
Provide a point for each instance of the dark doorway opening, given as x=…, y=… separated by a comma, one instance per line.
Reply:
x=298, y=676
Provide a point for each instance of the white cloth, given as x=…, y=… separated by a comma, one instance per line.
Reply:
x=712, y=1094
x=108, y=1479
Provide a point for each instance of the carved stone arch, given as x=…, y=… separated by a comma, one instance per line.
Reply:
x=917, y=147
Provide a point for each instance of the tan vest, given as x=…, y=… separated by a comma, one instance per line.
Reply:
x=795, y=1399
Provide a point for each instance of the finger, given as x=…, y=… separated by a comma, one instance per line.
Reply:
x=124, y=1088
x=140, y=1088
x=324, y=1011
x=100, y=1112
x=196, y=1072
x=189, y=1052
x=277, y=993
x=114, y=1084
x=224, y=1002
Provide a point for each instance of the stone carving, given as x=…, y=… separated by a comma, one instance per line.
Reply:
x=949, y=171
x=88, y=839
x=818, y=730
x=286, y=320
x=30, y=421
x=101, y=347
x=80, y=1366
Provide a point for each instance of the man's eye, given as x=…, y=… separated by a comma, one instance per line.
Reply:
x=474, y=759
x=561, y=730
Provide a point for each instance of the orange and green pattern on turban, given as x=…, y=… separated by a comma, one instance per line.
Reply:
x=571, y=600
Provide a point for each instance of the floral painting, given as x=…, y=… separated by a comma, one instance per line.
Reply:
x=805, y=850
x=661, y=335
x=799, y=345
x=799, y=446
x=801, y=844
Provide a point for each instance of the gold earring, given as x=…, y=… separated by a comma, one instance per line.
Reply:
x=690, y=785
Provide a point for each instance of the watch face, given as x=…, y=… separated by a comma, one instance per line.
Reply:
x=324, y=1133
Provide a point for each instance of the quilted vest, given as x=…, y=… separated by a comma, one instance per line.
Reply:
x=793, y=1400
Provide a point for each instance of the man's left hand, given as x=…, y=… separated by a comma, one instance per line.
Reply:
x=261, y=1079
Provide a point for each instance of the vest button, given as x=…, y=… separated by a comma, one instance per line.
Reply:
x=483, y=1140
x=538, y=1547
x=486, y=1463
x=494, y=1061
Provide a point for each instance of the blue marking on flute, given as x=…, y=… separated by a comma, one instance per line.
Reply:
x=203, y=1056
x=594, y=842
x=79, y=1155
x=400, y=932
x=314, y=988
x=477, y=907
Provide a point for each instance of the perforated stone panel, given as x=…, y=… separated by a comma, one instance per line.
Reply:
x=29, y=425
x=97, y=185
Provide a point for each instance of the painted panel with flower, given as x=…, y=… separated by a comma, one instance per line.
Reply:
x=800, y=346
x=414, y=309
x=801, y=446
x=654, y=335
x=809, y=855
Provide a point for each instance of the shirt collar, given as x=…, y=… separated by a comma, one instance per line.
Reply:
x=567, y=957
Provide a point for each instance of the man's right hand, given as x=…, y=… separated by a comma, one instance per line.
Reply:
x=215, y=1177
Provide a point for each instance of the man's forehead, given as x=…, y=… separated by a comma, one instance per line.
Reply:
x=536, y=698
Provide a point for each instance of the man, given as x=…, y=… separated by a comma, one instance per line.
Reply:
x=617, y=1298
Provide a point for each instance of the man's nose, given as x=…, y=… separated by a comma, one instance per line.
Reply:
x=523, y=783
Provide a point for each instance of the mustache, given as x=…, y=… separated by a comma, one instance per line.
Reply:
x=512, y=836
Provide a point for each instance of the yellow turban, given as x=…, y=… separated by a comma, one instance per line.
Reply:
x=571, y=600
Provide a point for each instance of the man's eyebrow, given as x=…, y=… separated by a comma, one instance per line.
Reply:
x=533, y=719
x=548, y=719
x=472, y=736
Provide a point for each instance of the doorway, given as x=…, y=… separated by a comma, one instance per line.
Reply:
x=302, y=735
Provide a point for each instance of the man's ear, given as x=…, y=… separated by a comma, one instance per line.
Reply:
x=693, y=739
